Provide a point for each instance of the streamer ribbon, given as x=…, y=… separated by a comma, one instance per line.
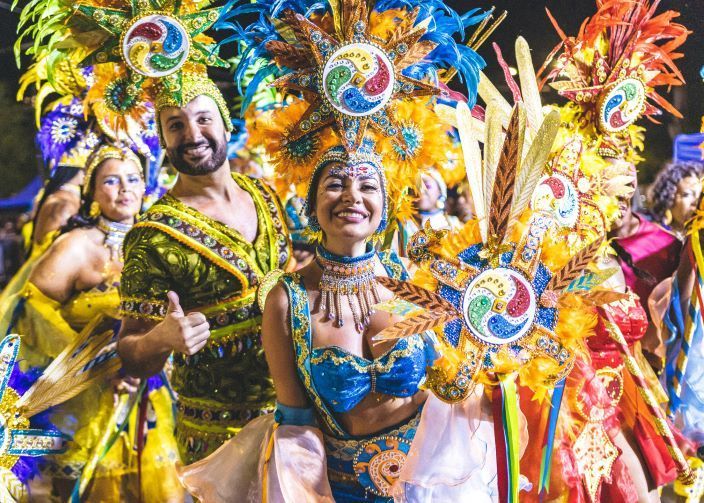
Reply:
x=506, y=433
x=549, y=438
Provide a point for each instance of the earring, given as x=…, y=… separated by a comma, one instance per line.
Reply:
x=313, y=223
x=94, y=211
x=668, y=217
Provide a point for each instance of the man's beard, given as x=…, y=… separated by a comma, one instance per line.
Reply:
x=217, y=157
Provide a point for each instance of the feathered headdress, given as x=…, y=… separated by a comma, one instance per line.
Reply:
x=354, y=71
x=352, y=63
x=151, y=51
x=611, y=70
x=65, y=137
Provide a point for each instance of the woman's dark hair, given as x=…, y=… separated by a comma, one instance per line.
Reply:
x=664, y=188
x=83, y=218
x=61, y=175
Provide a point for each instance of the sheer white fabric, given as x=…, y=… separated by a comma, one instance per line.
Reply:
x=296, y=472
x=452, y=457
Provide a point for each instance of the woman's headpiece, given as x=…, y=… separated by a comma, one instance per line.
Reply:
x=65, y=137
x=102, y=154
x=361, y=161
x=351, y=71
x=352, y=63
x=611, y=70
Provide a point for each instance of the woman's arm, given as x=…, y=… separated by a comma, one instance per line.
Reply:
x=278, y=348
x=57, y=272
x=54, y=214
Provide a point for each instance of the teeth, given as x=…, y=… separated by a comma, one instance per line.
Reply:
x=349, y=214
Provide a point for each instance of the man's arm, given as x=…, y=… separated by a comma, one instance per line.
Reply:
x=145, y=345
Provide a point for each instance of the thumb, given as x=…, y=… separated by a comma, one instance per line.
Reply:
x=174, y=306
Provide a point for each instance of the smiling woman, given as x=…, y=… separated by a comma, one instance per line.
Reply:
x=347, y=199
x=318, y=332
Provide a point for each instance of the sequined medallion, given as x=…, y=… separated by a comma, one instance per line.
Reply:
x=378, y=463
x=499, y=306
x=622, y=106
x=358, y=79
x=558, y=196
x=155, y=45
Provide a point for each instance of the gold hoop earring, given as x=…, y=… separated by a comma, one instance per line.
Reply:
x=668, y=217
x=94, y=211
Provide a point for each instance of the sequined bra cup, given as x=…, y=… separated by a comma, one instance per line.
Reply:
x=344, y=379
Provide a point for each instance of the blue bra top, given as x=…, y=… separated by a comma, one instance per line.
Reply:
x=344, y=379
x=337, y=380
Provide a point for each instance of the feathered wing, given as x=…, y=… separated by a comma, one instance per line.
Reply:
x=505, y=178
x=493, y=141
x=529, y=88
x=572, y=269
x=473, y=164
x=430, y=301
x=414, y=325
x=89, y=359
x=533, y=165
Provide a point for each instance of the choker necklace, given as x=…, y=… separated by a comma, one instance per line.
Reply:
x=115, y=233
x=351, y=277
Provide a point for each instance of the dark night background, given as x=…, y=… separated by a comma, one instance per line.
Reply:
x=19, y=164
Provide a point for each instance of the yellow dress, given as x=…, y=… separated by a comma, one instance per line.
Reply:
x=9, y=297
x=91, y=417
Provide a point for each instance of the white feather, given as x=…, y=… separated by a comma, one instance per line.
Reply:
x=473, y=163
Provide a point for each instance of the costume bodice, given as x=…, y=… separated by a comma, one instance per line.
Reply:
x=631, y=319
x=337, y=380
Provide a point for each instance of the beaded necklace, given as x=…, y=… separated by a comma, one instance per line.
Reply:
x=115, y=233
x=351, y=277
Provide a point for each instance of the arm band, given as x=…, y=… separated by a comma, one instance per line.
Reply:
x=294, y=416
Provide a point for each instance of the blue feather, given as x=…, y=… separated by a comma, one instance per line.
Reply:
x=446, y=28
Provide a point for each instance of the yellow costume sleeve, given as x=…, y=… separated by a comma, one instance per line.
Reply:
x=45, y=333
x=11, y=294
x=152, y=265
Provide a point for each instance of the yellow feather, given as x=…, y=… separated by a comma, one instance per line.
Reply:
x=488, y=92
x=529, y=88
x=493, y=143
x=473, y=165
x=533, y=165
x=65, y=377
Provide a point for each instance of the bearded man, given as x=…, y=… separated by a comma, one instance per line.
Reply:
x=192, y=267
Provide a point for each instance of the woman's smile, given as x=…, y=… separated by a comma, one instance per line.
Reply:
x=352, y=215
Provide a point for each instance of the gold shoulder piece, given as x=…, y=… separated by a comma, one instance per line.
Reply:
x=268, y=282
